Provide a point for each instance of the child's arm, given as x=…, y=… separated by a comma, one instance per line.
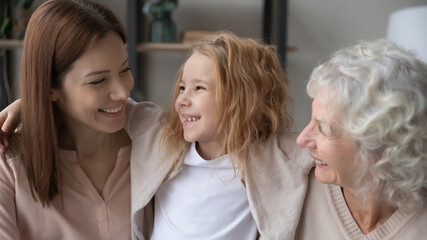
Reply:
x=9, y=121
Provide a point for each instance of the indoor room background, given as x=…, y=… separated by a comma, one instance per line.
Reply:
x=315, y=29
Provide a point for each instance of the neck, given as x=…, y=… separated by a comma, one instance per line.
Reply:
x=369, y=215
x=209, y=151
x=89, y=142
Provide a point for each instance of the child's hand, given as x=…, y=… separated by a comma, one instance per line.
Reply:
x=9, y=121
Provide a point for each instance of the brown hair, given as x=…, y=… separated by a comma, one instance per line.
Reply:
x=58, y=33
x=252, y=96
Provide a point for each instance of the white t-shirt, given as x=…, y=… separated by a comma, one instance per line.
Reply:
x=203, y=202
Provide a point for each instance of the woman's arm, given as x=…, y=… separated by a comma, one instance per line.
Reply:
x=9, y=121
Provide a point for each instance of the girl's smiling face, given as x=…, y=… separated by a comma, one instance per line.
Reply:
x=196, y=104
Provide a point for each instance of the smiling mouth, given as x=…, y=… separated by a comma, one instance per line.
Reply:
x=193, y=119
x=111, y=110
x=320, y=162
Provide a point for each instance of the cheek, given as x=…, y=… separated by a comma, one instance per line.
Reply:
x=176, y=106
x=214, y=121
x=211, y=112
x=329, y=152
x=130, y=83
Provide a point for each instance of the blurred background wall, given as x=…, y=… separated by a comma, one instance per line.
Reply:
x=315, y=27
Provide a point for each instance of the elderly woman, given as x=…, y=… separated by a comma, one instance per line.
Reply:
x=368, y=137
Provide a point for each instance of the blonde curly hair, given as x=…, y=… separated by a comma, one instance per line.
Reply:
x=252, y=96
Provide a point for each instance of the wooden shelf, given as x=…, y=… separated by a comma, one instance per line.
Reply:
x=149, y=47
x=142, y=47
x=274, y=11
x=10, y=43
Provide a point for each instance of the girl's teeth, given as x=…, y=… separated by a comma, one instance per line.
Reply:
x=190, y=119
x=320, y=162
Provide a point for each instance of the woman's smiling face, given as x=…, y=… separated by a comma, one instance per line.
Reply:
x=94, y=91
x=329, y=145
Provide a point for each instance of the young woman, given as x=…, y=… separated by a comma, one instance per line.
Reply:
x=65, y=174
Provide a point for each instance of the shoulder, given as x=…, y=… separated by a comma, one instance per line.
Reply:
x=287, y=142
x=142, y=116
x=12, y=152
x=284, y=145
x=143, y=110
x=9, y=160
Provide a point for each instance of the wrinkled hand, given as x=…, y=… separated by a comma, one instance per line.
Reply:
x=9, y=121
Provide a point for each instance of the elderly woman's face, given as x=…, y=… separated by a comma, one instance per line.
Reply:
x=332, y=149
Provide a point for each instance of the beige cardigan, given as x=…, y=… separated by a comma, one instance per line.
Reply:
x=276, y=178
x=326, y=216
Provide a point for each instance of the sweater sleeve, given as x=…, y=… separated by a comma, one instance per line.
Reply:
x=8, y=223
x=276, y=182
x=141, y=117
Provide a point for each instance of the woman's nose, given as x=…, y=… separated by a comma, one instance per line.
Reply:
x=305, y=138
x=121, y=88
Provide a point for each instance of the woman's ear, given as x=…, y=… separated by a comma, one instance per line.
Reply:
x=53, y=95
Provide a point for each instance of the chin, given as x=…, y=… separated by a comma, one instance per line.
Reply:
x=113, y=129
x=320, y=177
x=189, y=138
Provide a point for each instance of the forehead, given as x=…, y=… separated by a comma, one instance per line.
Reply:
x=198, y=67
x=320, y=102
x=323, y=107
x=105, y=52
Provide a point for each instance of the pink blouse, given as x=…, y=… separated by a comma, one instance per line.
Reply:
x=84, y=213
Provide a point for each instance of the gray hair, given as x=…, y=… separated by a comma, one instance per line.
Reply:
x=380, y=90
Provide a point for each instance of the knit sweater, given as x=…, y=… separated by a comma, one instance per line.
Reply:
x=325, y=215
x=275, y=179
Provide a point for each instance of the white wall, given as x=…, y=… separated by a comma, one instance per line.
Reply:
x=320, y=27
x=316, y=27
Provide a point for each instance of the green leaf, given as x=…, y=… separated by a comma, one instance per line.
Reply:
x=5, y=28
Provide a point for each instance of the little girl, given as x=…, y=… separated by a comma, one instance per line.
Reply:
x=225, y=166
x=241, y=175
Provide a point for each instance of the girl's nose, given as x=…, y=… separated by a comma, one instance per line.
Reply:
x=183, y=100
